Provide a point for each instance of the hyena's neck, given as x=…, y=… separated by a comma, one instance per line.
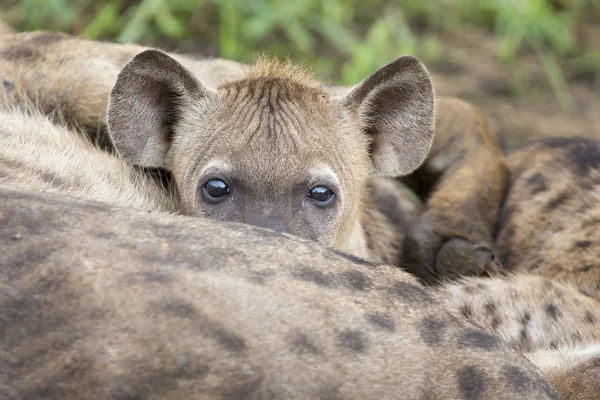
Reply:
x=354, y=242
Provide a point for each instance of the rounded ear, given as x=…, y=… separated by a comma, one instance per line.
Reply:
x=151, y=93
x=396, y=107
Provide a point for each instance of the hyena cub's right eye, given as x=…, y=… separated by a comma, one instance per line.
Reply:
x=215, y=190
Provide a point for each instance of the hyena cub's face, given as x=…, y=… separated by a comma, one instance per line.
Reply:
x=272, y=149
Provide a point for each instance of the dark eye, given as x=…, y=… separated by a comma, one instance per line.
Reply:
x=215, y=190
x=321, y=194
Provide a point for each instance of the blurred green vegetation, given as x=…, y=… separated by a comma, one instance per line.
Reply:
x=343, y=40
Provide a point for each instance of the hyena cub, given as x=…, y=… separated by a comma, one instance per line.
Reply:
x=274, y=149
x=72, y=78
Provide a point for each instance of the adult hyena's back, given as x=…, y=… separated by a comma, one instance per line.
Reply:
x=72, y=77
x=188, y=308
x=43, y=156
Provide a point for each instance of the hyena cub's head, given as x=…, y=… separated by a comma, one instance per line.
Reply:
x=273, y=149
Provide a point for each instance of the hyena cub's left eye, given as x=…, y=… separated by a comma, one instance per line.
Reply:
x=321, y=195
x=215, y=190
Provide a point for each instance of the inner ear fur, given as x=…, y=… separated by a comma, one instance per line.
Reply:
x=396, y=107
x=145, y=105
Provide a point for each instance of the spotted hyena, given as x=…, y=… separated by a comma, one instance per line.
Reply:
x=367, y=215
x=548, y=302
x=189, y=308
x=444, y=169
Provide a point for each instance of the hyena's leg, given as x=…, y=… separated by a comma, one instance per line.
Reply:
x=462, y=182
x=529, y=312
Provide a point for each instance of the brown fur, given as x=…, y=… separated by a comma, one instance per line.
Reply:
x=451, y=234
x=547, y=229
x=461, y=131
x=56, y=59
x=462, y=182
x=550, y=219
x=272, y=136
x=188, y=308
x=546, y=240
x=574, y=373
x=44, y=156
x=72, y=77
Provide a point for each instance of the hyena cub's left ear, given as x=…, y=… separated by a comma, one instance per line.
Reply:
x=396, y=106
x=151, y=93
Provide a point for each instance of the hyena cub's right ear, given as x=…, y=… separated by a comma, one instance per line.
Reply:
x=151, y=93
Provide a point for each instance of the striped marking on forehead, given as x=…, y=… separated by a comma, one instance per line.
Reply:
x=265, y=110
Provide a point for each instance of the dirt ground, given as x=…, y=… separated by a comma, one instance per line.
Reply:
x=472, y=72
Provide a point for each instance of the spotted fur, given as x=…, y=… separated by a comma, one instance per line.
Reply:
x=174, y=309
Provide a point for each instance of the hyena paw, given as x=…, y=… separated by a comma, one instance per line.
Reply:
x=433, y=258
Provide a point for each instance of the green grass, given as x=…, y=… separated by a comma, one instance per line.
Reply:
x=343, y=40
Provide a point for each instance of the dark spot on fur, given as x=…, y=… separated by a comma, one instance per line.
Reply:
x=18, y=53
x=538, y=183
x=429, y=394
x=261, y=276
x=553, y=345
x=526, y=318
x=382, y=321
x=517, y=378
x=353, y=340
x=478, y=339
x=558, y=200
x=315, y=276
x=590, y=318
x=354, y=259
x=301, y=344
x=553, y=312
x=522, y=381
x=149, y=277
x=330, y=392
x=466, y=311
x=590, y=290
x=53, y=180
x=472, y=383
x=469, y=289
x=355, y=280
x=432, y=331
x=245, y=388
x=524, y=343
x=585, y=268
x=412, y=293
x=180, y=308
x=495, y=323
x=583, y=244
x=490, y=308
x=583, y=155
x=46, y=38
x=8, y=85
x=590, y=222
